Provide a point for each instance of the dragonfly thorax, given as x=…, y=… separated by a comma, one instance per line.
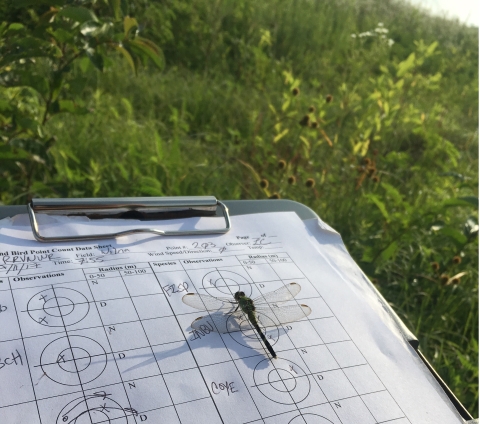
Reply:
x=244, y=302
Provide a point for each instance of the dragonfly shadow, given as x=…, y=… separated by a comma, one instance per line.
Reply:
x=213, y=341
x=156, y=357
x=150, y=358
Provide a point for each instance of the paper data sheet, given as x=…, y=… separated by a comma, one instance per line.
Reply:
x=96, y=333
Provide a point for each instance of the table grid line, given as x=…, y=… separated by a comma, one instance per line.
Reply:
x=151, y=348
x=193, y=356
x=26, y=356
x=109, y=343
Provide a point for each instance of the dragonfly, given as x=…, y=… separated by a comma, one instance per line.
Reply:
x=243, y=313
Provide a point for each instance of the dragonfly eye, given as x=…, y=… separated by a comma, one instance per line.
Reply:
x=238, y=295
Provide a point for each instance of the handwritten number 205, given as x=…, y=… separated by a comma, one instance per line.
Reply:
x=206, y=245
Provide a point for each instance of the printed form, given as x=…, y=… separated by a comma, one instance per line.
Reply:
x=98, y=333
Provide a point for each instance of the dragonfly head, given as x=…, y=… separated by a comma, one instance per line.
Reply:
x=238, y=295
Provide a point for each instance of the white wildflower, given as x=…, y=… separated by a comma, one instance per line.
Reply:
x=380, y=24
x=353, y=35
x=390, y=42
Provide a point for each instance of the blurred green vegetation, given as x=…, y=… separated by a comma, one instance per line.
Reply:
x=366, y=111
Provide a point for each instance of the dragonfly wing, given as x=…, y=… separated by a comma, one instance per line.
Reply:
x=208, y=303
x=218, y=322
x=280, y=295
x=270, y=316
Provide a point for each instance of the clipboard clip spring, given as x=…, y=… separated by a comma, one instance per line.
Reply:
x=146, y=208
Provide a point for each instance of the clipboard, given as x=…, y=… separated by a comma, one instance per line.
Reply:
x=152, y=208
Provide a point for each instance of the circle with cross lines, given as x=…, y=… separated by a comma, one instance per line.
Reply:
x=73, y=360
x=310, y=419
x=221, y=283
x=281, y=381
x=58, y=307
x=97, y=407
x=242, y=331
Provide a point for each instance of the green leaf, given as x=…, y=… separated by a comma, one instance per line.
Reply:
x=9, y=153
x=305, y=141
x=27, y=123
x=115, y=6
x=393, y=193
x=380, y=205
x=96, y=59
x=67, y=106
x=124, y=7
x=389, y=251
x=62, y=35
x=56, y=85
x=28, y=47
x=3, y=27
x=77, y=14
x=85, y=64
x=406, y=65
x=5, y=106
x=150, y=186
x=466, y=201
x=150, y=44
x=126, y=54
x=39, y=188
x=15, y=27
x=77, y=85
x=252, y=170
x=149, y=49
x=272, y=108
x=368, y=254
x=361, y=148
x=129, y=24
x=431, y=48
x=454, y=234
x=38, y=83
x=473, y=200
x=278, y=137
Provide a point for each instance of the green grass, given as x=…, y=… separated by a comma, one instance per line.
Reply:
x=394, y=146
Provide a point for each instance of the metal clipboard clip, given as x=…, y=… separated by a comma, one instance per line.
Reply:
x=129, y=208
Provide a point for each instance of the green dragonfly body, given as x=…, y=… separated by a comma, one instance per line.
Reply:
x=247, y=306
x=245, y=313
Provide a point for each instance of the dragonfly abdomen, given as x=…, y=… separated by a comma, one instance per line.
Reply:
x=262, y=336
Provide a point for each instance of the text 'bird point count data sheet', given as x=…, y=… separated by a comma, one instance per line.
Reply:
x=148, y=329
